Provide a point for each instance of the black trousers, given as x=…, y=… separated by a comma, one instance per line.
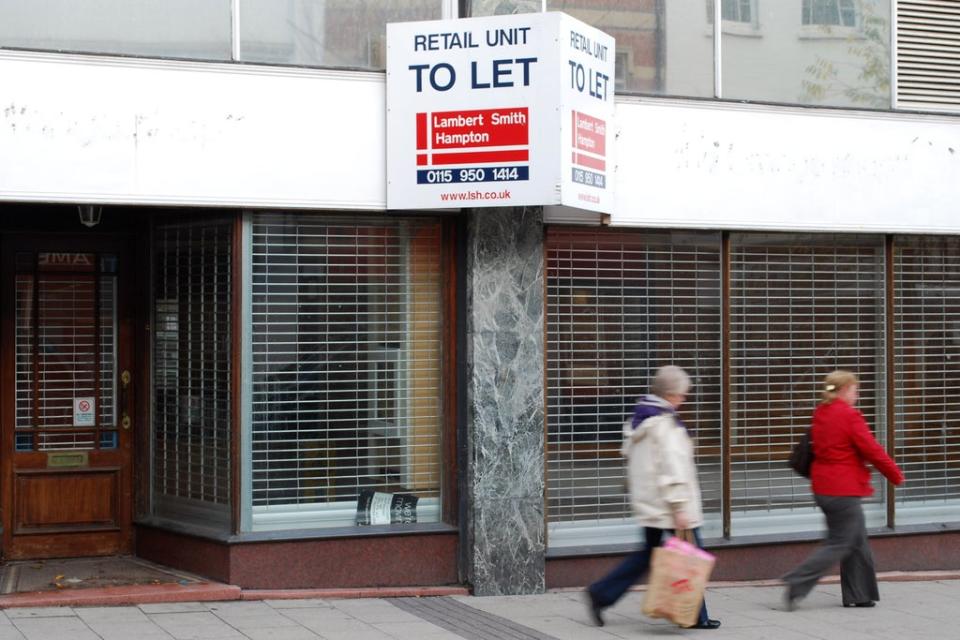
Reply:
x=611, y=587
x=847, y=544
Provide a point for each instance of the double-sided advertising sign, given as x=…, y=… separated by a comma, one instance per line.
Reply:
x=499, y=112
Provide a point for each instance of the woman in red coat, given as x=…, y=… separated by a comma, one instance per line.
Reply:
x=840, y=478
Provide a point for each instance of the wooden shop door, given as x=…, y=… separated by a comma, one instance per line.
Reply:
x=67, y=397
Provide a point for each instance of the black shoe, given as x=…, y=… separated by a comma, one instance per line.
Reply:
x=709, y=624
x=789, y=600
x=868, y=603
x=594, y=608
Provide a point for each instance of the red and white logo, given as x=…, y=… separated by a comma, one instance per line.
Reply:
x=589, y=142
x=475, y=136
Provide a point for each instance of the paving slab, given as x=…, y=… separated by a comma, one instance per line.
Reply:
x=40, y=612
x=57, y=627
x=284, y=633
x=908, y=609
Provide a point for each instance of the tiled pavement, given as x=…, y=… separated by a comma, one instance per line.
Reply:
x=909, y=610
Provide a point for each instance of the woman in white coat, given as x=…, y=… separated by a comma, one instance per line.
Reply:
x=664, y=491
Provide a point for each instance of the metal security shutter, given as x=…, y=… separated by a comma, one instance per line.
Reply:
x=927, y=353
x=800, y=307
x=619, y=305
x=347, y=336
x=192, y=266
x=928, y=54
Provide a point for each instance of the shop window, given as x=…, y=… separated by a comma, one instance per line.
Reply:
x=192, y=367
x=346, y=388
x=927, y=363
x=800, y=307
x=619, y=305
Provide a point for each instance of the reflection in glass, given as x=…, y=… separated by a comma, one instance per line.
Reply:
x=328, y=33
x=813, y=52
x=160, y=28
x=733, y=11
x=504, y=7
x=661, y=48
x=737, y=10
x=830, y=12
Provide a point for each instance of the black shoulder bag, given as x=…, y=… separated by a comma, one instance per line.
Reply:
x=801, y=457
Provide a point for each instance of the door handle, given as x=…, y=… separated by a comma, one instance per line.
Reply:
x=125, y=379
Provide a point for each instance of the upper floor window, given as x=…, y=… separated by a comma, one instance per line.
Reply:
x=830, y=13
x=733, y=11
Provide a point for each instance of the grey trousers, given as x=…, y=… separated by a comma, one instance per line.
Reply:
x=847, y=544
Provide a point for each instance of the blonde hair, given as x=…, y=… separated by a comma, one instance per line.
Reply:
x=670, y=380
x=834, y=383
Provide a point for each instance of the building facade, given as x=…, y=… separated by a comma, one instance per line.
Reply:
x=222, y=352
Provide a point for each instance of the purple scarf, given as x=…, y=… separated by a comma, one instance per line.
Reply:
x=650, y=406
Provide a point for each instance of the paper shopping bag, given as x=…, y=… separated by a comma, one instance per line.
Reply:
x=678, y=576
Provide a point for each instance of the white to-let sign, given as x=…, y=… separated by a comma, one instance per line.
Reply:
x=83, y=412
x=500, y=111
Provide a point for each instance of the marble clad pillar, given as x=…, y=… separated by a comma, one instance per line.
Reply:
x=505, y=387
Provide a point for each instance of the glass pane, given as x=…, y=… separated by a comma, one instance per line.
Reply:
x=813, y=52
x=192, y=265
x=927, y=364
x=160, y=28
x=347, y=353
x=108, y=351
x=800, y=307
x=64, y=375
x=618, y=306
x=325, y=33
x=663, y=48
x=25, y=350
x=66, y=353
x=58, y=368
x=503, y=7
x=108, y=263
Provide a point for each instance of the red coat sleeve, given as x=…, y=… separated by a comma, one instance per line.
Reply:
x=871, y=451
